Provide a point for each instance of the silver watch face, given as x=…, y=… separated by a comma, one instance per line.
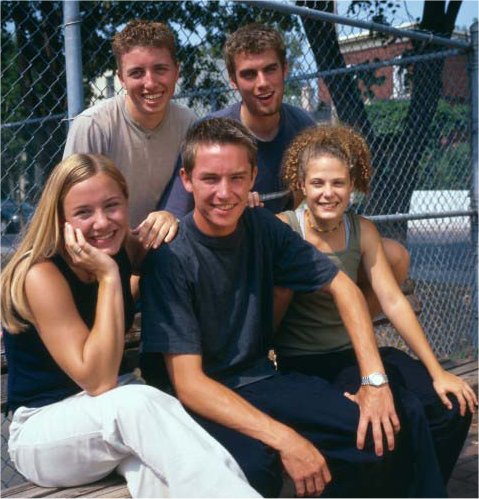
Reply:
x=377, y=379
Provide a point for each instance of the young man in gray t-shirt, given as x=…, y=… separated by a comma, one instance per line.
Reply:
x=142, y=130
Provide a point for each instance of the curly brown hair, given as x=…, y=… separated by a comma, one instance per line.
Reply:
x=341, y=142
x=254, y=38
x=140, y=33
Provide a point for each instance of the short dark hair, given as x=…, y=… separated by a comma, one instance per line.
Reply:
x=140, y=33
x=254, y=38
x=217, y=131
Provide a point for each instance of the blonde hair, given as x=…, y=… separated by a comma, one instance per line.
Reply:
x=44, y=234
x=341, y=142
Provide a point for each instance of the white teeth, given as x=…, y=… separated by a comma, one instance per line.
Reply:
x=224, y=206
x=265, y=96
x=152, y=97
x=103, y=238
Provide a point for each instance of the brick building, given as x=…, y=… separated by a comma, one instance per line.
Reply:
x=394, y=81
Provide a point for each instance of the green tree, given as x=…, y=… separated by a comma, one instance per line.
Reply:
x=32, y=88
x=448, y=150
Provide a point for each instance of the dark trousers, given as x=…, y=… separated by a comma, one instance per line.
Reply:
x=447, y=428
x=320, y=412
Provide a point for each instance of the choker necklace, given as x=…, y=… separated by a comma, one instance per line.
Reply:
x=318, y=229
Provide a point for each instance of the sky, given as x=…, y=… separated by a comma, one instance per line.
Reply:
x=467, y=12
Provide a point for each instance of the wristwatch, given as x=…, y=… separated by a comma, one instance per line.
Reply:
x=376, y=379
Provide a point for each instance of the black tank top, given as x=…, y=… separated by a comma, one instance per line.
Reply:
x=34, y=378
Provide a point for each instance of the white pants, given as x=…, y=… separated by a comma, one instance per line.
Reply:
x=142, y=432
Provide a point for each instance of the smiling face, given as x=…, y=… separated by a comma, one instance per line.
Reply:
x=98, y=207
x=327, y=187
x=149, y=76
x=259, y=78
x=220, y=181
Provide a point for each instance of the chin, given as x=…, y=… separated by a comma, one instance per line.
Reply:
x=111, y=248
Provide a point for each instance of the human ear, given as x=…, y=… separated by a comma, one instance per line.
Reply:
x=302, y=187
x=254, y=173
x=233, y=83
x=120, y=79
x=186, y=179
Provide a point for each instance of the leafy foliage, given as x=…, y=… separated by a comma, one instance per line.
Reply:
x=446, y=157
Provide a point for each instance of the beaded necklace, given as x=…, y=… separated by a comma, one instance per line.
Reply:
x=318, y=229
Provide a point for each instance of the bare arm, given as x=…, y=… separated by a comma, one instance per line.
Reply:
x=210, y=399
x=90, y=357
x=402, y=316
x=376, y=403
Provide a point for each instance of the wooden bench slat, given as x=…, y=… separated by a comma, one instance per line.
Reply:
x=113, y=484
x=105, y=486
x=466, y=369
x=118, y=491
x=28, y=490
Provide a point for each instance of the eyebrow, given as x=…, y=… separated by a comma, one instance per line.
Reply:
x=216, y=174
x=111, y=198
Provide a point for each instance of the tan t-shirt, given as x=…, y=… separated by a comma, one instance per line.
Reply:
x=147, y=158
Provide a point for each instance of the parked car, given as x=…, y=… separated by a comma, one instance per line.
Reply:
x=14, y=215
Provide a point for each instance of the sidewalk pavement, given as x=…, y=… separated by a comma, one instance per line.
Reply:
x=463, y=482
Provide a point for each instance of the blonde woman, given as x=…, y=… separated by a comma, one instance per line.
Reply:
x=326, y=164
x=66, y=303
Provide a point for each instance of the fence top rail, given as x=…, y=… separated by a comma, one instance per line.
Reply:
x=396, y=217
x=288, y=8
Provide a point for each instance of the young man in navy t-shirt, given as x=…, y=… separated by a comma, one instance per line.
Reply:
x=207, y=306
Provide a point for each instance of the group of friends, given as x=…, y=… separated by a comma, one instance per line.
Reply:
x=152, y=208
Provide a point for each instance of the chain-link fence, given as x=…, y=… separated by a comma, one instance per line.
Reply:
x=409, y=96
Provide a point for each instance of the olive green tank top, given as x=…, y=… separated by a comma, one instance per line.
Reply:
x=312, y=323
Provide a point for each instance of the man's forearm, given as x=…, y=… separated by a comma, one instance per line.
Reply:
x=301, y=459
x=216, y=402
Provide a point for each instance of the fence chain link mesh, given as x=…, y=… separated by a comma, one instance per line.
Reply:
x=410, y=99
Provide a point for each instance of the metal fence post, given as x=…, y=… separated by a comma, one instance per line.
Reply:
x=473, y=78
x=73, y=59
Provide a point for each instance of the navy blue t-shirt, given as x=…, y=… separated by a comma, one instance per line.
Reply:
x=34, y=378
x=214, y=296
x=270, y=154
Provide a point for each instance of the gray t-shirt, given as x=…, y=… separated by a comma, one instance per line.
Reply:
x=146, y=158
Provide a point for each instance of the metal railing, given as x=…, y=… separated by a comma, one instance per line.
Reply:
x=413, y=94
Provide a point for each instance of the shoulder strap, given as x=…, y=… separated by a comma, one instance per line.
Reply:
x=293, y=221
